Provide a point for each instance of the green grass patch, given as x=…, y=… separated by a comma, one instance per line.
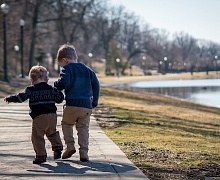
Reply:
x=159, y=132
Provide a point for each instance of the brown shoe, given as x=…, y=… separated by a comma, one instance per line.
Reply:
x=39, y=161
x=83, y=156
x=84, y=159
x=68, y=153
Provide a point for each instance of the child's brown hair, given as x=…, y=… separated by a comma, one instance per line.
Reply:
x=67, y=51
x=38, y=72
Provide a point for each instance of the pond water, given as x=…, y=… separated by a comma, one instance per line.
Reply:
x=204, y=91
x=177, y=83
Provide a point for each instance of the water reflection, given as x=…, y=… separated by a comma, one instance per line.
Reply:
x=201, y=91
x=177, y=83
x=189, y=93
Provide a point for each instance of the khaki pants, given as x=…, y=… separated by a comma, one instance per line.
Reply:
x=79, y=117
x=45, y=124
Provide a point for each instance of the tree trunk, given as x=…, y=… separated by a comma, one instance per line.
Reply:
x=33, y=34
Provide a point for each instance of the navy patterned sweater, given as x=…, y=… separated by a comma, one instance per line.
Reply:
x=42, y=98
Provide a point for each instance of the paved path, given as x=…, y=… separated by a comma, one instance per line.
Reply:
x=16, y=152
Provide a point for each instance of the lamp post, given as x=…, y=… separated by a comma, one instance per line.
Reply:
x=144, y=64
x=160, y=66
x=16, y=48
x=117, y=61
x=5, y=9
x=165, y=60
x=216, y=64
x=90, y=56
x=185, y=66
x=22, y=52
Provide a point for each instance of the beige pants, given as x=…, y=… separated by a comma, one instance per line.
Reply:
x=80, y=118
x=45, y=124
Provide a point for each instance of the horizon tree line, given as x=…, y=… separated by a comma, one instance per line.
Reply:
x=107, y=32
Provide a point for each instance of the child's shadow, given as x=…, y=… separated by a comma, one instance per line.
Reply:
x=61, y=168
x=67, y=167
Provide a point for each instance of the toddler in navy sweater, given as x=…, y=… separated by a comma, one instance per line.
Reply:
x=42, y=98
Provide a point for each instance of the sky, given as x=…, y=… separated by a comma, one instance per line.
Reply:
x=198, y=18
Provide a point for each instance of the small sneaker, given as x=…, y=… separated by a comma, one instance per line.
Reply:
x=84, y=159
x=83, y=156
x=39, y=161
x=57, y=154
x=68, y=153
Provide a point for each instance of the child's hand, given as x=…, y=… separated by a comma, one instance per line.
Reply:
x=6, y=100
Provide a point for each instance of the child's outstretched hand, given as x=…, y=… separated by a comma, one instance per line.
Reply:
x=6, y=100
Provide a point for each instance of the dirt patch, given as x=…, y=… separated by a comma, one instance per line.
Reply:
x=105, y=118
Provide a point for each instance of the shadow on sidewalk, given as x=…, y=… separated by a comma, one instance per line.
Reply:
x=16, y=155
x=78, y=167
x=52, y=167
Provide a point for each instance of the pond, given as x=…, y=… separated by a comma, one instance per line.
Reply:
x=204, y=91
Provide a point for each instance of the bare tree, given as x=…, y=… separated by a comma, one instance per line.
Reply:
x=188, y=47
x=35, y=6
x=158, y=46
x=186, y=43
x=108, y=27
x=129, y=38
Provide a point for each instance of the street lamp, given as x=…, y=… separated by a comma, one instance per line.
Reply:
x=5, y=9
x=185, y=65
x=160, y=66
x=90, y=56
x=144, y=65
x=216, y=63
x=16, y=48
x=22, y=52
x=117, y=61
x=165, y=60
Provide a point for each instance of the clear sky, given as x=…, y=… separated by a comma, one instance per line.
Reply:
x=198, y=18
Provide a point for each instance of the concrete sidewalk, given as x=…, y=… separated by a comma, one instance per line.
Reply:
x=107, y=161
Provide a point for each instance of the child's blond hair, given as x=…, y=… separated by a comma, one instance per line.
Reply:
x=38, y=72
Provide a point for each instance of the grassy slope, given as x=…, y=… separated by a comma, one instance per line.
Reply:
x=164, y=122
x=13, y=87
x=161, y=134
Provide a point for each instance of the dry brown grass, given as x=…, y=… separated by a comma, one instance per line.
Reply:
x=160, y=133
x=13, y=87
x=127, y=79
